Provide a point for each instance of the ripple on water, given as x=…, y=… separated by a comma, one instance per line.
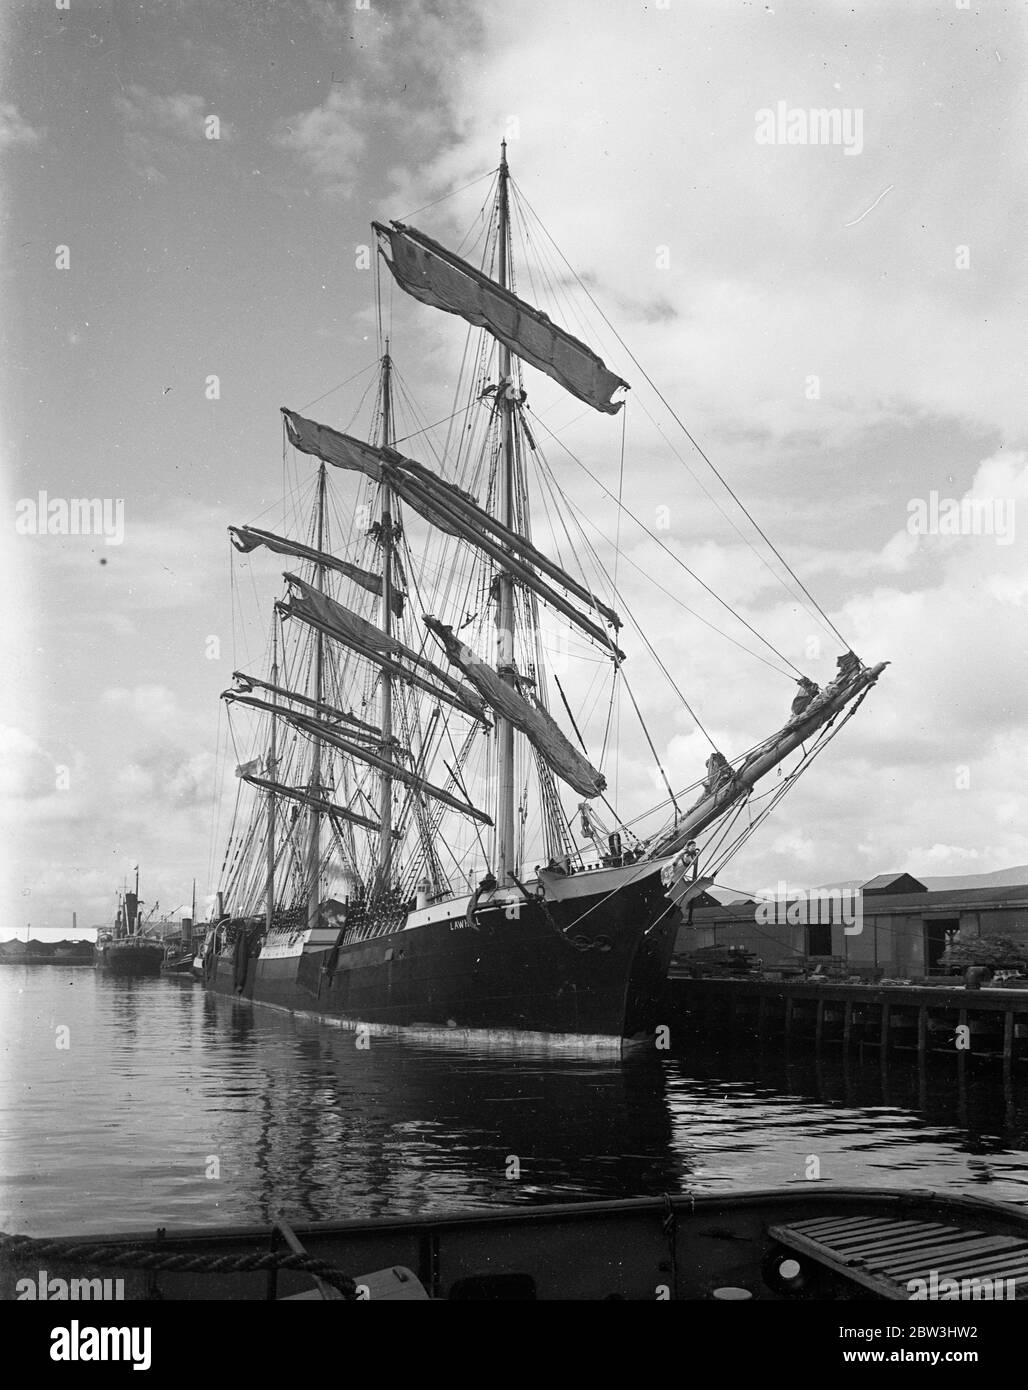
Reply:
x=172, y=1107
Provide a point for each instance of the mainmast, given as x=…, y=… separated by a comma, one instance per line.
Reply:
x=269, y=910
x=385, y=841
x=314, y=845
x=505, y=859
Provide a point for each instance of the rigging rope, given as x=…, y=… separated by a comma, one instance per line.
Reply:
x=617, y=597
x=551, y=481
x=489, y=174
x=677, y=559
x=692, y=440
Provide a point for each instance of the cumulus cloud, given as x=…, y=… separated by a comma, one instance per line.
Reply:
x=330, y=140
x=26, y=770
x=162, y=128
x=674, y=202
x=14, y=129
x=144, y=704
x=392, y=88
x=168, y=774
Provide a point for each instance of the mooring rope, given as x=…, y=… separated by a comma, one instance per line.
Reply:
x=132, y=1257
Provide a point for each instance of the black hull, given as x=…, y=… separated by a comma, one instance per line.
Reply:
x=606, y=978
x=123, y=958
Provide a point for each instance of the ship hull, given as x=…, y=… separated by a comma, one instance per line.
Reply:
x=74, y=955
x=590, y=960
x=129, y=958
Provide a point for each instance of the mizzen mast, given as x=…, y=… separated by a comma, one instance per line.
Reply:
x=505, y=856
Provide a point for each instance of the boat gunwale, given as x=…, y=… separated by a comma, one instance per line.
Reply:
x=688, y=1204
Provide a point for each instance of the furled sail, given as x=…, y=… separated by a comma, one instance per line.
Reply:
x=248, y=683
x=355, y=632
x=468, y=703
x=452, y=510
x=435, y=276
x=332, y=446
x=396, y=770
x=533, y=721
x=317, y=803
x=283, y=712
x=247, y=538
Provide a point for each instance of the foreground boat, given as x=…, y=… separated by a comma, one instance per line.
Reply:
x=810, y=1241
x=349, y=883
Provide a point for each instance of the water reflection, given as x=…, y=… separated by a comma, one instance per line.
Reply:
x=408, y=1128
x=937, y=1122
x=177, y=1108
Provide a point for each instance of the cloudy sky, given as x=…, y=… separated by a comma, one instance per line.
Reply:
x=840, y=324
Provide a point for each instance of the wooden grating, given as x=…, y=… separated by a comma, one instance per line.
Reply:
x=884, y=1253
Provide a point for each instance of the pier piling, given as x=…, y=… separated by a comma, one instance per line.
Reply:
x=919, y=1019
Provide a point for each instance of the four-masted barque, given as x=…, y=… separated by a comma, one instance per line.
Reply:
x=400, y=854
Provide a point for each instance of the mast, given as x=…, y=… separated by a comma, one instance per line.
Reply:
x=269, y=910
x=505, y=859
x=385, y=815
x=314, y=845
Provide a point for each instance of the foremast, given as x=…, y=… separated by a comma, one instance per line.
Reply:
x=269, y=912
x=505, y=856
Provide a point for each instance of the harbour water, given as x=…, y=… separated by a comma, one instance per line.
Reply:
x=133, y=1103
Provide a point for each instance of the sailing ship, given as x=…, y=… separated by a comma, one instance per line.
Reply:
x=401, y=854
x=127, y=950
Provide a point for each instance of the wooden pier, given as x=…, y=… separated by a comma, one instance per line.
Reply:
x=920, y=1019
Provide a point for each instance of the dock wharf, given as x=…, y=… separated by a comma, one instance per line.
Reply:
x=921, y=1019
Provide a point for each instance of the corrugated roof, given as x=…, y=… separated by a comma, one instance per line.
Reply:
x=893, y=883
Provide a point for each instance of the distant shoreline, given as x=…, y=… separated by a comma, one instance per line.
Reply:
x=49, y=935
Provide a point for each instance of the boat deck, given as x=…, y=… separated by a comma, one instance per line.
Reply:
x=887, y=1256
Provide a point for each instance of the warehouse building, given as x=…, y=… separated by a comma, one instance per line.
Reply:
x=891, y=927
